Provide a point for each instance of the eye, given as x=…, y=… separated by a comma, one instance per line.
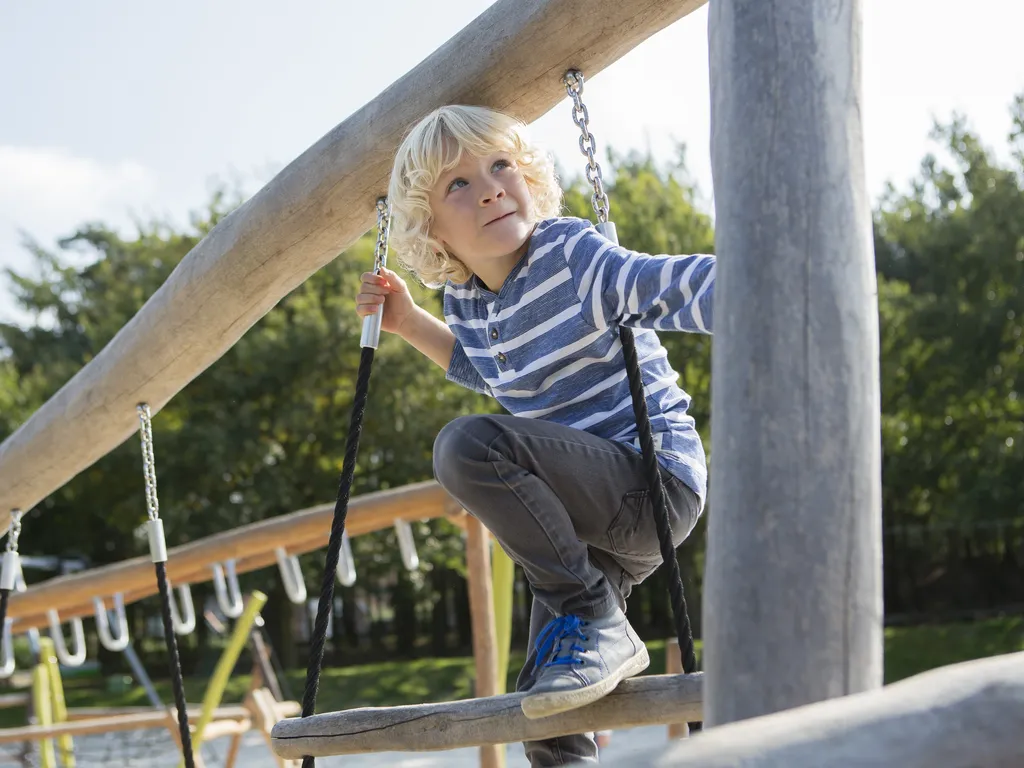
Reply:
x=453, y=186
x=501, y=164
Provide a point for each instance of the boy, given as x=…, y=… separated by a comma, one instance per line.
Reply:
x=532, y=305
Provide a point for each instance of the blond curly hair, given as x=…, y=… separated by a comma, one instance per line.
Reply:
x=434, y=146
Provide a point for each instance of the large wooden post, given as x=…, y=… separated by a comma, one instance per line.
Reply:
x=485, y=639
x=793, y=607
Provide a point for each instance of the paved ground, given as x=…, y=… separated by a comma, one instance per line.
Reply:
x=153, y=750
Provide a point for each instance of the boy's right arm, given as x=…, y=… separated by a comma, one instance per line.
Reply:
x=429, y=335
x=421, y=329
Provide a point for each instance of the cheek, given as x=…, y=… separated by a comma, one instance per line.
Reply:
x=523, y=192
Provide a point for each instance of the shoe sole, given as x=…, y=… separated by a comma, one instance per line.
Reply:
x=540, y=705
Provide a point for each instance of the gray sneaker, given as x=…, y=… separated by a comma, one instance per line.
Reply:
x=580, y=660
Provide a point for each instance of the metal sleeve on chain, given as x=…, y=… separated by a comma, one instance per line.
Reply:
x=370, y=336
x=11, y=567
x=9, y=574
x=157, y=542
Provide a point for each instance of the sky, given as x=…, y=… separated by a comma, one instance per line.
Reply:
x=117, y=111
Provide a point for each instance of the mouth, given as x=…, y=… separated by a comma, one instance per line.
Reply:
x=500, y=218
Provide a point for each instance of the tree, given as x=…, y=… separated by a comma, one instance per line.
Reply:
x=951, y=265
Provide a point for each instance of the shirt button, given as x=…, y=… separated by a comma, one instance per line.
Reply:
x=494, y=333
x=501, y=358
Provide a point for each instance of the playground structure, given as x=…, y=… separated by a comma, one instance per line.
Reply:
x=793, y=611
x=274, y=541
x=263, y=705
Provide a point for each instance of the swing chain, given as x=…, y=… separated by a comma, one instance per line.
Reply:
x=14, y=531
x=380, y=251
x=573, y=81
x=148, y=461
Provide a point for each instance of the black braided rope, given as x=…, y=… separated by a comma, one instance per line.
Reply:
x=657, y=488
x=174, y=661
x=323, y=611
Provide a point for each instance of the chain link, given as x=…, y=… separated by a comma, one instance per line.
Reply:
x=14, y=531
x=573, y=81
x=148, y=462
x=380, y=251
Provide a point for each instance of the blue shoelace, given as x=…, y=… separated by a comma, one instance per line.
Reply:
x=550, y=639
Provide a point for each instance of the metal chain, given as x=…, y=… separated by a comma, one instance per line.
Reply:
x=380, y=251
x=573, y=81
x=14, y=531
x=148, y=462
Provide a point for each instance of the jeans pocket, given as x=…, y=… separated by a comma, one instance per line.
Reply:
x=629, y=533
x=634, y=532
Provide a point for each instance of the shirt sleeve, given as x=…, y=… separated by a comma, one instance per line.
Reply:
x=620, y=286
x=461, y=371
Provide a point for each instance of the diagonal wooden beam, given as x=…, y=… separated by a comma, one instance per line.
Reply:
x=251, y=546
x=511, y=57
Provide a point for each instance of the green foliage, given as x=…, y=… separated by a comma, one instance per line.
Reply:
x=262, y=431
x=950, y=256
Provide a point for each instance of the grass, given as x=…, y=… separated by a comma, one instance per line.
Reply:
x=908, y=651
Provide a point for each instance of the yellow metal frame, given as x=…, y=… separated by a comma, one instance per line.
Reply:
x=225, y=665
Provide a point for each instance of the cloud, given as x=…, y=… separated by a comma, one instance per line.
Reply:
x=47, y=192
x=51, y=189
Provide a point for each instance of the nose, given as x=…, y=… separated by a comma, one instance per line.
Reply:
x=491, y=191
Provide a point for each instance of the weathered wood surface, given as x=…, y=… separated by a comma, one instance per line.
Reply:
x=485, y=633
x=793, y=590
x=511, y=57
x=649, y=700
x=963, y=716
x=252, y=546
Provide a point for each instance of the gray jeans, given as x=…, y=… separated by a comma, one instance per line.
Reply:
x=573, y=510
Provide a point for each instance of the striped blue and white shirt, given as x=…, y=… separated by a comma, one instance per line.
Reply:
x=546, y=346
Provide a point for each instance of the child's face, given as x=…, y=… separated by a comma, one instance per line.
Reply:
x=482, y=213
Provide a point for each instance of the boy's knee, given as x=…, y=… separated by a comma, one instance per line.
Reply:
x=459, y=445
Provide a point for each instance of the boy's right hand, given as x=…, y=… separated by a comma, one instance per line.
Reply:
x=389, y=290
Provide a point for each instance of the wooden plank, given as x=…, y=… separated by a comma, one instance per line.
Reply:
x=793, y=589
x=219, y=728
x=962, y=716
x=674, y=666
x=485, y=633
x=648, y=700
x=252, y=546
x=226, y=712
x=511, y=57
x=124, y=722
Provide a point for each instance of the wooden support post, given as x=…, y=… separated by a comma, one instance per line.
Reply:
x=268, y=714
x=793, y=591
x=481, y=607
x=674, y=666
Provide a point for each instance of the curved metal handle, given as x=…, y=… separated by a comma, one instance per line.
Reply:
x=103, y=628
x=77, y=658
x=291, y=575
x=407, y=545
x=229, y=594
x=183, y=624
x=346, y=570
x=33, y=633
